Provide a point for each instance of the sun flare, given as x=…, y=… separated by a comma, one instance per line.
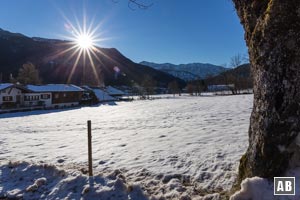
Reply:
x=84, y=41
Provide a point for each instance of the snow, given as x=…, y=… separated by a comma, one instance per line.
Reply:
x=49, y=182
x=253, y=188
x=5, y=85
x=183, y=147
x=54, y=88
x=260, y=188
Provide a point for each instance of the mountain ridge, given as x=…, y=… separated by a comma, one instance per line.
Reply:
x=56, y=67
x=240, y=76
x=189, y=71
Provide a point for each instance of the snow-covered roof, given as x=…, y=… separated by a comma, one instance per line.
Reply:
x=54, y=88
x=113, y=91
x=5, y=85
x=85, y=87
x=103, y=96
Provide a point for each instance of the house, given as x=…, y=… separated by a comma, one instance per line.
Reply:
x=99, y=94
x=103, y=96
x=34, y=98
x=117, y=94
x=53, y=95
x=88, y=97
x=11, y=95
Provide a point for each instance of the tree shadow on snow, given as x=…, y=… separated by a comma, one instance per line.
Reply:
x=42, y=112
x=35, y=112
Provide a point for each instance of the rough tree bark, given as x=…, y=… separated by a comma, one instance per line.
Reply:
x=272, y=34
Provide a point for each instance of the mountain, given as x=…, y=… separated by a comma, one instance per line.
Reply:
x=240, y=76
x=188, y=72
x=55, y=61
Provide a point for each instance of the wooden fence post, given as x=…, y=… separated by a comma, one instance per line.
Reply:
x=89, y=124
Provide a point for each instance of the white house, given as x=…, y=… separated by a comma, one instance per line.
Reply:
x=54, y=95
x=11, y=95
x=33, y=98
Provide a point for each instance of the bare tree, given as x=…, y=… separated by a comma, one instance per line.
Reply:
x=149, y=85
x=236, y=60
x=199, y=86
x=28, y=74
x=245, y=58
x=190, y=89
x=174, y=88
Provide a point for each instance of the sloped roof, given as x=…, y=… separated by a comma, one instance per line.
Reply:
x=113, y=91
x=5, y=85
x=103, y=96
x=54, y=88
x=86, y=88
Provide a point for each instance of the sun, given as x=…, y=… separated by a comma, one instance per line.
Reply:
x=84, y=41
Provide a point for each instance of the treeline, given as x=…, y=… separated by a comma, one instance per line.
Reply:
x=150, y=87
x=239, y=78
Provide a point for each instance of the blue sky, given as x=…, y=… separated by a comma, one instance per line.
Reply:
x=176, y=31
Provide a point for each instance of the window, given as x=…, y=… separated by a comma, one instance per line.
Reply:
x=31, y=98
x=56, y=96
x=45, y=96
x=65, y=94
x=7, y=98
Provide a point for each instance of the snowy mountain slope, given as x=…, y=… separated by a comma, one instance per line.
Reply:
x=188, y=72
x=184, y=75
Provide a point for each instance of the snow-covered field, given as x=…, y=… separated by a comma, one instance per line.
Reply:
x=182, y=147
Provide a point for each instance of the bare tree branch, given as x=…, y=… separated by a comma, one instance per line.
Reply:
x=132, y=4
x=236, y=60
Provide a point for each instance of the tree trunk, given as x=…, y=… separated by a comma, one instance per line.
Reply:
x=272, y=34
